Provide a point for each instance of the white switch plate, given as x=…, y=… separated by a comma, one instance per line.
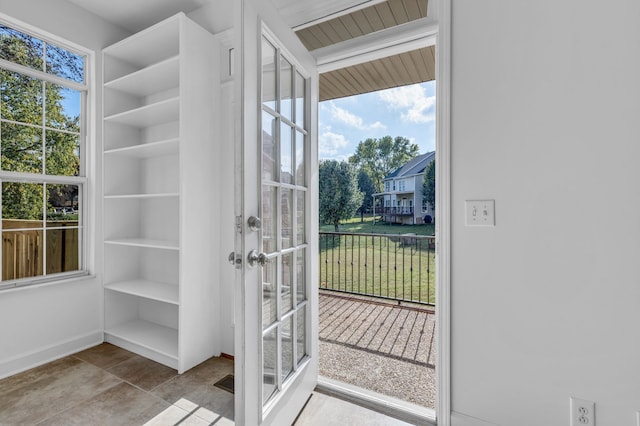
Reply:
x=480, y=212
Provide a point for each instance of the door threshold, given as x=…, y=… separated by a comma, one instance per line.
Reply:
x=390, y=406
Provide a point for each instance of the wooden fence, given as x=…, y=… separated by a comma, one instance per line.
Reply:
x=22, y=250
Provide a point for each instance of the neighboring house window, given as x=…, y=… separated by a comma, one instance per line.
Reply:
x=386, y=187
x=401, y=185
x=394, y=185
x=43, y=97
x=386, y=203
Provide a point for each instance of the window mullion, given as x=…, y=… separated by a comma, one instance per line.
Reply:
x=50, y=78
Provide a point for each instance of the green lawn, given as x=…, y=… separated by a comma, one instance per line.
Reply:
x=354, y=225
x=381, y=266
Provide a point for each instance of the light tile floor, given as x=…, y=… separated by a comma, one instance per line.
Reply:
x=107, y=385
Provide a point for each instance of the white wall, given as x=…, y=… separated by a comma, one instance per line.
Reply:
x=545, y=120
x=217, y=19
x=45, y=322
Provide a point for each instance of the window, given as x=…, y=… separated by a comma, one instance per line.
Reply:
x=43, y=91
x=401, y=185
x=386, y=186
x=394, y=185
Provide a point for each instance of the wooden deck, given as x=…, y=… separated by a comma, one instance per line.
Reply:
x=378, y=345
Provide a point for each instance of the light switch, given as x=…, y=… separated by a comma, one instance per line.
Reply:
x=480, y=212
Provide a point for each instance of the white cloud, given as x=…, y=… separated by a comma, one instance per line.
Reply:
x=330, y=144
x=416, y=106
x=350, y=119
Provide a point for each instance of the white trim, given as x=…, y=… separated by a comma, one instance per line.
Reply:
x=380, y=44
x=40, y=356
x=443, y=214
x=390, y=406
x=88, y=141
x=304, y=13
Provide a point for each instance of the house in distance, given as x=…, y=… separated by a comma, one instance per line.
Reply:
x=402, y=199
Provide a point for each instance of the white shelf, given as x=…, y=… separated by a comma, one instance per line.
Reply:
x=158, y=338
x=161, y=130
x=148, y=81
x=141, y=196
x=149, y=46
x=149, y=115
x=143, y=242
x=162, y=292
x=148, y=150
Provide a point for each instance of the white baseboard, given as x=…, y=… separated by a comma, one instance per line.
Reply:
x=20, y=363
x=459, y=419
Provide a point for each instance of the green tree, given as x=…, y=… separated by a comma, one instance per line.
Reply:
x=429, y=184
x=366, y=186
x=26, y=102
x=379, y=157
x=340, y=197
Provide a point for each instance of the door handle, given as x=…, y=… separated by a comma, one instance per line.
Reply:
x=254, y=223
x=254, y=258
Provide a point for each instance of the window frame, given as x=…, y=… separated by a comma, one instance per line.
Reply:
x=83, y=181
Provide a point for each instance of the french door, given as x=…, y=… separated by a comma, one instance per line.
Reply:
x=276, y=240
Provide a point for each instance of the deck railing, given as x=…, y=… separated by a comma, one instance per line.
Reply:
x=395, y=210
x=391, y=266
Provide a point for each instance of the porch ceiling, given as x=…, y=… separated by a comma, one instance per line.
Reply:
x=361, y=22
x=412, y=67
x=400, y=69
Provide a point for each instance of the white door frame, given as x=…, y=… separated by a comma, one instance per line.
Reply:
x=427, y=31
x=443, y=211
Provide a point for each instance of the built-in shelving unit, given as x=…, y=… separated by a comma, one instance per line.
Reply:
x=160, y=257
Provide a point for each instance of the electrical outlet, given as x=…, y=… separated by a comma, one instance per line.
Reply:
x=583, y=412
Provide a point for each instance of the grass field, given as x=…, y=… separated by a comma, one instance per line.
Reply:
x=396, y=267
x=368, y=226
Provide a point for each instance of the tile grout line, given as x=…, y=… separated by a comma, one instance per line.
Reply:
x=84, y=400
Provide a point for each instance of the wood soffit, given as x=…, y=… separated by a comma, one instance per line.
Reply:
x=398, y=70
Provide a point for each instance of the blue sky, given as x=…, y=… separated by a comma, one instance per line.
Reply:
x=407, y=111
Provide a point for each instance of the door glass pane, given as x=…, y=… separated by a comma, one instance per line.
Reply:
x=287, y=217
x=287, y=347
x=285, y=89
x=300, y=159
x=269, y=364
x=300, y=94
x=268, y=146
x=269, y=294
x=301, y=333
x=300, y=276
x=269, y=218
x=268, y=75
x=287, y=283
x=300, y=210
x=286, y=152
